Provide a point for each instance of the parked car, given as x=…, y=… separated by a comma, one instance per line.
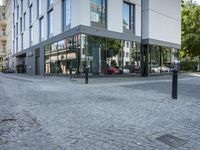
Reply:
x=126, y=71
x=133, y=68
x=164, y=69
x=113, y=70
x=8, y=70
x=154, y=69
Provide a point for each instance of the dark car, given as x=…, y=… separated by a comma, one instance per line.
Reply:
x=8, y=70
x=133, y=68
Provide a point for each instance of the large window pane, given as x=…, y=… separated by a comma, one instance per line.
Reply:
x=155, y=59
x=67, y=14
x=128, y=17
x=30, y=14
x=98, y=13
x=47, y=59
x=50, y=3
x=39, y=3
x=54, y=58
x=62, y=57
x=41, y=29
x=131, y=57
x=50, y=23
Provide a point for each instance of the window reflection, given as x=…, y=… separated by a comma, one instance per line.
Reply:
x=98, y=13
x=105, y=56
x=128, y=17
x=162, y=59
x=109, y=56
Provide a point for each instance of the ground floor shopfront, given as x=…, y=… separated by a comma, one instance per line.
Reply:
x=103, y=55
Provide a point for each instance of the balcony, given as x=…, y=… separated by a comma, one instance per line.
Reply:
x=3, y=37
x=2, y=54
x=3, y=21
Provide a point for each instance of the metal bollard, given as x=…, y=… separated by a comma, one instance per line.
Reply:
x=70, y=71
x=86, y=75
x=174, y=83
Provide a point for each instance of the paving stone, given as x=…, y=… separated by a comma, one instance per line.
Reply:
x=45, y=113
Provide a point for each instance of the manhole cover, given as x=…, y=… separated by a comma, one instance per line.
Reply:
x=171, y=140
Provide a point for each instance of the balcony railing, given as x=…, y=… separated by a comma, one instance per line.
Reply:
x=3, y=21
x=3, y=37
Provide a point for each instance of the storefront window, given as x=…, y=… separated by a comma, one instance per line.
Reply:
x=100, y=54
x=54, y=58
x=162, y=59
x=109, y=56
x=47, y=59
x=62, y=57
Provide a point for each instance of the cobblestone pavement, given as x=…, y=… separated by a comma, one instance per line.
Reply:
x=54, y=113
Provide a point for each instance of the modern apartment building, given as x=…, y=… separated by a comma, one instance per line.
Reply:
x=3, y=38
x=8, y=32
x=107, y=36
x=5, y=33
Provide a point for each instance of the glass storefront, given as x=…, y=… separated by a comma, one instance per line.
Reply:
x=162, y=59
x=105, y=56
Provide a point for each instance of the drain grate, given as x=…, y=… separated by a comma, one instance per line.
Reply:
x=171, y=140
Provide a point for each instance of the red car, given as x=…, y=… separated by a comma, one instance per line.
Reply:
x=114, y=70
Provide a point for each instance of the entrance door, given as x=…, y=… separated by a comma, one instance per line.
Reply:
x=37, y=61
x=37, y=66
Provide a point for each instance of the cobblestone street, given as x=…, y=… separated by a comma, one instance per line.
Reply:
x=54, y=113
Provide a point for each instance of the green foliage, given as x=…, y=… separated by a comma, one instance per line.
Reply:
x=189, y=65
x=190, y=29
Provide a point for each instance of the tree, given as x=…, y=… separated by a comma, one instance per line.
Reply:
x=190, y=29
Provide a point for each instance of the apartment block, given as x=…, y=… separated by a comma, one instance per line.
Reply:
x=3, y=38
x=106, y=36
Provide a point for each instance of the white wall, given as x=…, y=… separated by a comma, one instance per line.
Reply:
x=115, y=15
x=162, y=21
x=80, y=13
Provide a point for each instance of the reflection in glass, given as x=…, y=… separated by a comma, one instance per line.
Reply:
x=128, y=16
x=98, y=12
x=50, y=23
x=109, y=56
x=67, y=14
x=62, y=57
x=54, y=58
x=101, y=55
x=47, y=59
x=162, y=59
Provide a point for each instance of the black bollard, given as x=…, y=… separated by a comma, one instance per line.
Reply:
x=70, y=71
x=86, y=75
x=174, y=83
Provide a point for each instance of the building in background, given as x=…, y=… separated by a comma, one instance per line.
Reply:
x=108, y=36
x=8, y=31
x=3, y=37
x=5, y=33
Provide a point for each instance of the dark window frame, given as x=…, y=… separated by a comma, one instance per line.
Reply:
x=101, y=25
x=48, y=23
x=131, y=18
x=40, y=29
x=64, y=26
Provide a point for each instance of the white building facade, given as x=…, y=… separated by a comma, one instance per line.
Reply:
x=3, y=37
x=108, y=36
